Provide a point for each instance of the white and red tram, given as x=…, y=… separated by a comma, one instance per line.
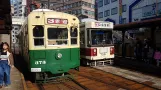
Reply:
x=96, y=42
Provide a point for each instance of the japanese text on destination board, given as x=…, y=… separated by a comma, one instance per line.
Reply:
x=57, y=21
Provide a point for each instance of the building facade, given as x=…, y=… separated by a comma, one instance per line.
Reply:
x=19, y=8
x=75, y=7
x=17, y=20
x=125, y=11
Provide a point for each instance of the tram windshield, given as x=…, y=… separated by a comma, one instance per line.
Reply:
x=57, y=36
x=101, y=37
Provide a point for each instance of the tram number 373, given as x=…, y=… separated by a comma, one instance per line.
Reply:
x=40, y=62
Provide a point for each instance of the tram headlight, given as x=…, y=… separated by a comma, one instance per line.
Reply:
x=59, y=55
x=95, y=50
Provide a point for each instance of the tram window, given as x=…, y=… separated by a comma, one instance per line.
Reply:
x=73, y=40
x=57, y=36
x=57, y=33
x=38, y=31
x=73, y=34
x=82, y=37
x=88, y=38
x=100, y=37
x=38, y=42
x=57, y=42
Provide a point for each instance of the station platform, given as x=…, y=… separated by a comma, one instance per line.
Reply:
x=138, y=77
x=140, y=66
x=17, y=81
x=139, y=71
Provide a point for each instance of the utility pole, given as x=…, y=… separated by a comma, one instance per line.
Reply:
x=48, y=4
x=96, y=10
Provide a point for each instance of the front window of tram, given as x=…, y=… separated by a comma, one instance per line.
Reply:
x=101, y=37
x=57, y=36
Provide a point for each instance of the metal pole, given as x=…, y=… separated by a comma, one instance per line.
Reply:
x=48, y=4
x=157, y=8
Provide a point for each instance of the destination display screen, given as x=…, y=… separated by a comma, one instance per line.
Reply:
x=100, y=24
x=57, y=21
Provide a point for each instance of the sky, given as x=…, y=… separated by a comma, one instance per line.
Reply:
x=12, y=1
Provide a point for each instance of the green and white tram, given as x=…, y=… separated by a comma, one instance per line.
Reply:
x=50, y=42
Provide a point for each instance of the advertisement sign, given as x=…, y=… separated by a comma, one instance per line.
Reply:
x=151, y=10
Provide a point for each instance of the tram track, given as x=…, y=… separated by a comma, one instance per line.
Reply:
x=110, y=80
x=89, y=78
x=101, y=81
x=68, y=85
x=40, y=86
x=128, y=79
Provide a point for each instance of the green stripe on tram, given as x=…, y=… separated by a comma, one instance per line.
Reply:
x=56, y=60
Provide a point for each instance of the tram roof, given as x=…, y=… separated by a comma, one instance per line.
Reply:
x=48, y=11
x=132, y=25
x=42, y=10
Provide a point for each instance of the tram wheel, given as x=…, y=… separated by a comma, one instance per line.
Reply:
x=77, y=68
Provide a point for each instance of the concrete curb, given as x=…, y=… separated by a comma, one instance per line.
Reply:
x=23, y=82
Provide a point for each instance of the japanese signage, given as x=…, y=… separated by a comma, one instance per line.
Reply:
x=101, y=25
x=57, y=21
x=151, y=10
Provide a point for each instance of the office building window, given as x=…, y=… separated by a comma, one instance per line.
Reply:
x=84, y=11
x=113, y=0
x=92, y=13
x=100, y=3
x=107, y=13
x=69, y=12
x=106, y=2
x=79, y=11
x=100, y=15
x=123, y=8
x=20, y=7
x=76, y=4
x=73, y=12
x=20, y=3
x=92, y=6
x=114, y=11
x=123, y=20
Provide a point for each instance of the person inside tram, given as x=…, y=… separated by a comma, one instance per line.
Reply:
x=94, y=40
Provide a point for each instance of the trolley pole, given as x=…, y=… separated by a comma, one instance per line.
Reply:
x=48, y=4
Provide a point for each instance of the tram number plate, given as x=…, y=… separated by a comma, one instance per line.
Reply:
x=103, y=50
x=35, y=69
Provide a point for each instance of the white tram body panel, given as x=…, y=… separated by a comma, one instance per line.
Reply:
x=96, y=40
x=102, y=53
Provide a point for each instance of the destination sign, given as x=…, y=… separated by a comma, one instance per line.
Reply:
x=57, y=21
x=100, y=24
